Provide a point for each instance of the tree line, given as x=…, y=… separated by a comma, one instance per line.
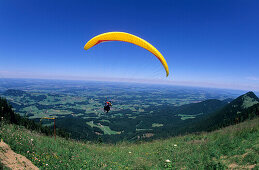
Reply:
x=9, y=116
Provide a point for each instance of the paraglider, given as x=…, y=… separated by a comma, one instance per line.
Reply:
x=126, y=37
x=107, y=106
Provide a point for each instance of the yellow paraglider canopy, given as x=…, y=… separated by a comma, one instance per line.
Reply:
x=126, y=37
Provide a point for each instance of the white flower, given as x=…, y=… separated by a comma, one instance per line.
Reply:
x=31, y=139
x=47, y=164
x=175, y=145
x=167, y=161
x=129, y=152
x=28, y=151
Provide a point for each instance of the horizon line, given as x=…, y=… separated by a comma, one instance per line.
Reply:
x=141, y=81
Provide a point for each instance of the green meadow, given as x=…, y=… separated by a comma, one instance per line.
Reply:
x=235, y=146
x=105, y=129
x=186, y=116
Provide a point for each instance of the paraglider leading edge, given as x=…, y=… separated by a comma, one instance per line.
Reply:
x=126, y=37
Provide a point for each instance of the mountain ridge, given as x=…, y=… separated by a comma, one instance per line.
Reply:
x=234, y=112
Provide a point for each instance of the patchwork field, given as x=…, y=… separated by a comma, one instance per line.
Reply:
x=137, y=108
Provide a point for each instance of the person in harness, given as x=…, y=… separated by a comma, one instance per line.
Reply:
x=107, y=106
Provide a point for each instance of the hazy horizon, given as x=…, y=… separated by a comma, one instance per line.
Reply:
x=133, y=81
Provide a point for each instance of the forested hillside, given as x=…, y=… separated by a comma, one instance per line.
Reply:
x=9, y=116
x=242, y=108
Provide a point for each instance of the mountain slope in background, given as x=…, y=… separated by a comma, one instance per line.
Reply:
x=204, y=107
x=242, y=108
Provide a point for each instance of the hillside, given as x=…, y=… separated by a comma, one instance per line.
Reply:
x=201, y=108
x=244, y=107
x=10, y=116
x=235, y=146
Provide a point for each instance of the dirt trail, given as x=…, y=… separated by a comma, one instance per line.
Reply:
x=12, y=160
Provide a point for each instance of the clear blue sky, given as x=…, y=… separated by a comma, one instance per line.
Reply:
x=206, y=43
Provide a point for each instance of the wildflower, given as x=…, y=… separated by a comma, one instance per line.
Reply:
x=31, y=139
x=47, y=164
x=167, y=161
x=175, y=145
x=28, y=151
x=129, y=152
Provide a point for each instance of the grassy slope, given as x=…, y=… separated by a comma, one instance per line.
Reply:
x=234, y=146
x=1, y=165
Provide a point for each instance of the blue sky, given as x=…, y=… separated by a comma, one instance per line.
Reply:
x=206, y=43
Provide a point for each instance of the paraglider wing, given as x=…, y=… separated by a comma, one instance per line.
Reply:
x=126, y=37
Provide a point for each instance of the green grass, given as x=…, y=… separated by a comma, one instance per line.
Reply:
x=236, y=145
x=1, y=165
x=248, y=101
x=185, y=116
x=106, y=129
x=157, y=125
x=143, y=129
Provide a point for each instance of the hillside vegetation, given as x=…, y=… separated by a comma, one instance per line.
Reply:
x=236, y=146
x=242, y=108
x=6, y=112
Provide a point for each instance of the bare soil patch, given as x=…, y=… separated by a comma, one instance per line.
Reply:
x=12, y=160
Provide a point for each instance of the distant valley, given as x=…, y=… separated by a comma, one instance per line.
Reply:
x=139, y=111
